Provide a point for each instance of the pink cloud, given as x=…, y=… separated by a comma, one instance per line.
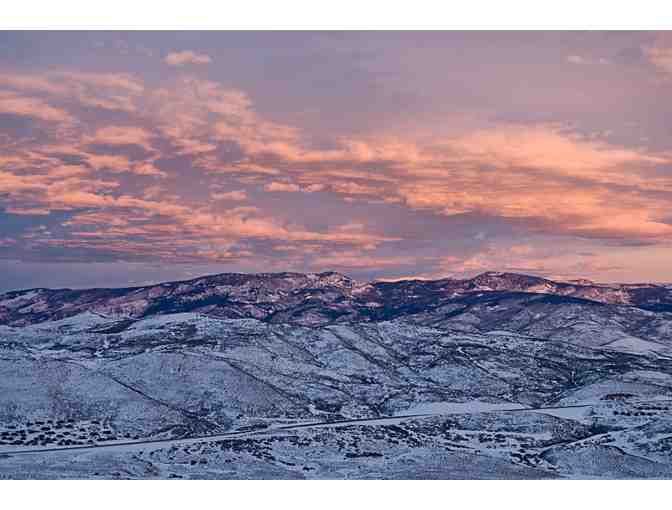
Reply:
x=109, y=162
x=15, y=104
x=121, y=135
x=548, y=177
x=235, y=196
x=282, y=186
x=112, y=91
x=180, y=58
x=147, y=168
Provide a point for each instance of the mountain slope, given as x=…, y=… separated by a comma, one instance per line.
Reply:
x=308, y=299
x=317, y=376
x=188, y=394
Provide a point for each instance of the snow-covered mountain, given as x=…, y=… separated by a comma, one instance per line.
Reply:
x=317, y=376
x=308, y=299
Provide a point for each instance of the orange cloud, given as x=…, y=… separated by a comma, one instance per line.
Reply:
x=121, y=135
x=282, y=186
x=120, y=164
x=235, y=196
x=103, y=90
x=147, y=168
x=34, y=211
x=180, y=58
x=549, y=150
x=552, y=179
x=108, y=162
x=526, y=258
x=353, y=259
x=15, y=104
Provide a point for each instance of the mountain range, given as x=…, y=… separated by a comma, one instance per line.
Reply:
x=290, y=375
x=315, y=298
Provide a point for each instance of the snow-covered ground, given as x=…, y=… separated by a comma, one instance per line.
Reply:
x=515, y=387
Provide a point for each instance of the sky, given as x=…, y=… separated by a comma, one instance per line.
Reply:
x=129, y=158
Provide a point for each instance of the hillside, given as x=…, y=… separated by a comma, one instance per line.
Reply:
x=318, y=376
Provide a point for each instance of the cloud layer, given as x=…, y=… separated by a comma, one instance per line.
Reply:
x=117, y=167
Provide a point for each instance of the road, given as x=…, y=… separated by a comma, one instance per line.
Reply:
x=139, y=444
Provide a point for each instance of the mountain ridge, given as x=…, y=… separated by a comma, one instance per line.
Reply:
x=307, y=298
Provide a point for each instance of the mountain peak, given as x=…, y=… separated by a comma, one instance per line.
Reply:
x=496, y=280
x=506, y=274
